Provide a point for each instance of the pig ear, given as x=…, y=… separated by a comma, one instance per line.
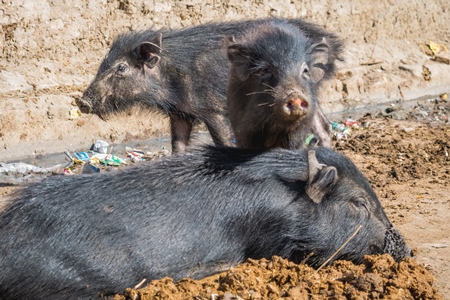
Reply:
x=239, y=56
x=148, y=52
x=316, y=74
x=320, y=53
x=321, y=178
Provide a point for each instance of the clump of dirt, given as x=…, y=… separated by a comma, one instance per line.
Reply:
x=379, y=277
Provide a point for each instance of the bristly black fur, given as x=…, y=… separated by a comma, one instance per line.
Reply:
x=189, y=215
x=273, y=63
x=189, y=81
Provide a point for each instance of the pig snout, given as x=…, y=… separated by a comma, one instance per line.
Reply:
x=395, y=245
x=84, y=106
x=295, y=106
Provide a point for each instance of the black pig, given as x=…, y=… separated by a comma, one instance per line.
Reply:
x=183, y=73
x=273, y=84
x=188, y=215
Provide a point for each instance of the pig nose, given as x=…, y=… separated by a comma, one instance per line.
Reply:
x=84, y=106
x=395, y=245
x=295, y=106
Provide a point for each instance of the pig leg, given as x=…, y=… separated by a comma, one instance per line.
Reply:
x=220, y=130
x=181, y=131
x=321, y=128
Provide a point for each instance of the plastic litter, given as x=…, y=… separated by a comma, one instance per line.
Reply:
x=18, y=173
x=138, y=155
x=437, y=48
x=344, y=129
x=350, y=123
x=432, y=111
x=21, y=168
x=107, y=159
x=337, y=127
x=89, y=169
x=74, y=113
x=134, y=154
x=67, y=171
x=82, y=156
x=309, y=139
x=100, y=146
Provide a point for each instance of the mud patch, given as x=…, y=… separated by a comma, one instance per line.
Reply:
x=379, y=277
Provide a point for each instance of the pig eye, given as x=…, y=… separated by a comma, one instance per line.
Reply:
x=304, y=70
x=122, y=68
x=360, y=203
x=265, y=73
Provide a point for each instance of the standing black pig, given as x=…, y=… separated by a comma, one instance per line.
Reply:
x=183, y=73
x=273, y=84
x=189, y=215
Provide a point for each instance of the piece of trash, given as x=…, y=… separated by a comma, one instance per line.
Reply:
x=340, y=128
x=340, y=131
x=134, y=154
x=444, y=96
x=352, y=123
x=437, y=48
x=310, y=138
x=100, y=146
x=337, y=127
x=83, y=156
x=67, y=171
x=439, y=246
x=74, y=113
x=89, y=169
x=107, y=159
x=67, y=153
x=21, y=168
x=19, y=173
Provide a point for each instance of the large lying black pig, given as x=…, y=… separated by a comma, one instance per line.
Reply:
x=189, y=215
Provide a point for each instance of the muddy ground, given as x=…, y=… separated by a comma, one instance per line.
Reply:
x=378, y=278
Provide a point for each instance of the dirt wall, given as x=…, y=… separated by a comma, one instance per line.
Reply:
x=50, y=50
